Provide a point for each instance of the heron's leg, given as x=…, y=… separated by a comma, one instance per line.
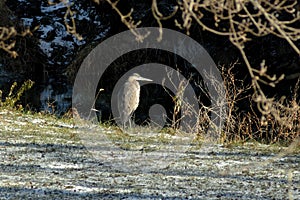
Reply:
x=129, y=122
x=123, y=126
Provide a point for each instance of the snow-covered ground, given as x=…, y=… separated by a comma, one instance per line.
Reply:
x=42, y=157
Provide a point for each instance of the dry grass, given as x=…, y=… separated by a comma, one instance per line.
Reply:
x=281, y=124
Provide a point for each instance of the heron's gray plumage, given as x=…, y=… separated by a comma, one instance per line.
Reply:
x=129, y=97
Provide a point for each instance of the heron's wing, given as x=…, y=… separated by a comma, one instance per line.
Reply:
x=127, y=101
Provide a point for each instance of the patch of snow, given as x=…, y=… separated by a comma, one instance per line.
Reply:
x=60, y=165
x=52, y=8
x=46, y=48
x=45, y=29
x=37, y=121
x=65, y=125
x=80, y=189
x=28, y=136
x=15, y=122
x=83, y=15
x=226, y=163
x=27, y=21
x=12, y=129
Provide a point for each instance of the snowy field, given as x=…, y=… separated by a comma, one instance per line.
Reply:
x=45, y=158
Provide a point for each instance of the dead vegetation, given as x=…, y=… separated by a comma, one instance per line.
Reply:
x=279, y=124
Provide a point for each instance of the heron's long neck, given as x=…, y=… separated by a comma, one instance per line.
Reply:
x=137, y=86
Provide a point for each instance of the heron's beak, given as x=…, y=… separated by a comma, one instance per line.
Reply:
x=143, y=79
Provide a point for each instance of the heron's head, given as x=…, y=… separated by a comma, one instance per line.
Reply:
x=137, y=77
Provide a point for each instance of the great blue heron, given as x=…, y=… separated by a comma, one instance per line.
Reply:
x=129, y=97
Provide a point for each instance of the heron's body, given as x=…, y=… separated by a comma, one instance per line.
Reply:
x=129, y=97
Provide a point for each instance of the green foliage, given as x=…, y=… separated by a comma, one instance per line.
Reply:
x=14, y=95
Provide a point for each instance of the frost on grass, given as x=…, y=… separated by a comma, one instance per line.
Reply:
x=42, y=157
